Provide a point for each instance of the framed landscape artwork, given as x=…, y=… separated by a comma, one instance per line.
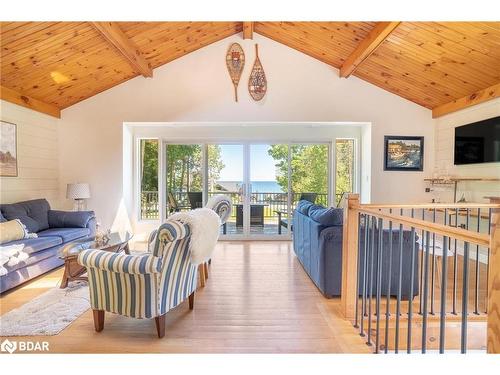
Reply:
x=403, y=153
x=8, y=149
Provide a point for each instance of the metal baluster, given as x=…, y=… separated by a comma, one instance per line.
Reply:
x=476, y=286
x=400, y=275
x=365, y=267
x=379, y=282
x=444, y=278
x=465, y=297
x=410, y=292
x=358, y=272
x=426, y=277
x=370, y=286
x=433, y=264
x=388, y=297
x=455, y=269
x=487, y=265
x=421, y=262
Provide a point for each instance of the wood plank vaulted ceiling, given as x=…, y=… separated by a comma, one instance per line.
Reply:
x=443, y=66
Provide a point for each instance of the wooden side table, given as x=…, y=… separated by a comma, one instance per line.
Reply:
x=73, y=271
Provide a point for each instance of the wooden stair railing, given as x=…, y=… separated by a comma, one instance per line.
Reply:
x=466, y=242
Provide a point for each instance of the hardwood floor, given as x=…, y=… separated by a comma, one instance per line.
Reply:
x=258, y=299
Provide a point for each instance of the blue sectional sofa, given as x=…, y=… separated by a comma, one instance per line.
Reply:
x=54, y=230
x=317, y=242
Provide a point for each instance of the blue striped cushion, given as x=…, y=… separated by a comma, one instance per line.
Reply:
x=118, y=262
x=169, y=232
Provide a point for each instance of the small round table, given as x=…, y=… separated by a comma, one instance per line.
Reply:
x=115, y=243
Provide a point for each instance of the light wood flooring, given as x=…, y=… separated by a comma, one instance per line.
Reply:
x=258, y=299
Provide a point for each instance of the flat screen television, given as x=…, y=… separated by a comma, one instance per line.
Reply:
x=478, y=142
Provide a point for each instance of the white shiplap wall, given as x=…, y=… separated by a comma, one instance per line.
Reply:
x=37, y=155
x=445, y=138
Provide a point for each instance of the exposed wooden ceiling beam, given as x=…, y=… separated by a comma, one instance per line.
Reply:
x=116, y=37
x=28, y=102
x=480, y=96
x=247, y=30
x=367, y=46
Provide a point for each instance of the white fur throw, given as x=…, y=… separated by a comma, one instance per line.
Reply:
x=11, y=255
x=205, y=226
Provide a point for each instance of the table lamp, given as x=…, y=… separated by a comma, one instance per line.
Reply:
x=78, y=192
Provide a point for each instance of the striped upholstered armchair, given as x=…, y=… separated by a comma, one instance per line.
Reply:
x=143, y=286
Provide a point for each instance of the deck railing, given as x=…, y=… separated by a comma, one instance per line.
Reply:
x=272, y=201
x=445, y=260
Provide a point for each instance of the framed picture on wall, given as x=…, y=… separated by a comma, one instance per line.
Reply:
x=402, y=153
x=8, y=149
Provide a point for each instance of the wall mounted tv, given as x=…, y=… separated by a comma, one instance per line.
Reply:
x=478, y=142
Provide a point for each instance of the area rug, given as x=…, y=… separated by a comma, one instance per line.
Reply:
x=48, y=314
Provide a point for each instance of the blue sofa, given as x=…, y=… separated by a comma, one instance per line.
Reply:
x=317, y=242
x=54, y=230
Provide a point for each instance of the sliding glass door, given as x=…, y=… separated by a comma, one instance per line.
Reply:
x=269, y=198
x=184, y=177
x=263, y=180
x=225, y=167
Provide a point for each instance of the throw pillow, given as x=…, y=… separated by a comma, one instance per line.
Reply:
x=303, y=206
x=14, y=230
x=327, y=216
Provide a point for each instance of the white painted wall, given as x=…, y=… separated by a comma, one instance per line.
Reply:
x=197, y=87
x=37, y=155
x=445, y=135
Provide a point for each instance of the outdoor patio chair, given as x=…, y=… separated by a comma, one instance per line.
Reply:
x=173, y=204
x=283, y=219
x=195, y=199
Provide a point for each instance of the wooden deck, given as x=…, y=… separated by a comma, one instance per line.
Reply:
x=258, y=300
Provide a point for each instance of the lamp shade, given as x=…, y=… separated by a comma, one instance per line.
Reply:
x=78, y=191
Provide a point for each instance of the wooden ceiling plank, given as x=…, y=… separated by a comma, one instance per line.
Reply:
x=56, y=62
x=31, y=103
x=45, y=36
x=298, y=45
x=24, y=30
x=52, y=54
x=450, y=33
x=180, y=48
x=384, y=57
x=431, y=63
x=115, y=36
x=415, y=95
x=315, y=35
x=340, y=42
x=405, y=95
x=351, y=33
x=47, y=44
x=367, y=46
x=310, y=46
x=376, y=66
x=247, y=30
x=406, y=84
x=480, y=96
x=229, y=31
x=440, y=48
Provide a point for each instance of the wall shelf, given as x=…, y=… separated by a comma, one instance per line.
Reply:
x=454, y=181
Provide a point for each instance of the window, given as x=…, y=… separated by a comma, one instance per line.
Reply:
x=149, y=179
x=344, y=166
